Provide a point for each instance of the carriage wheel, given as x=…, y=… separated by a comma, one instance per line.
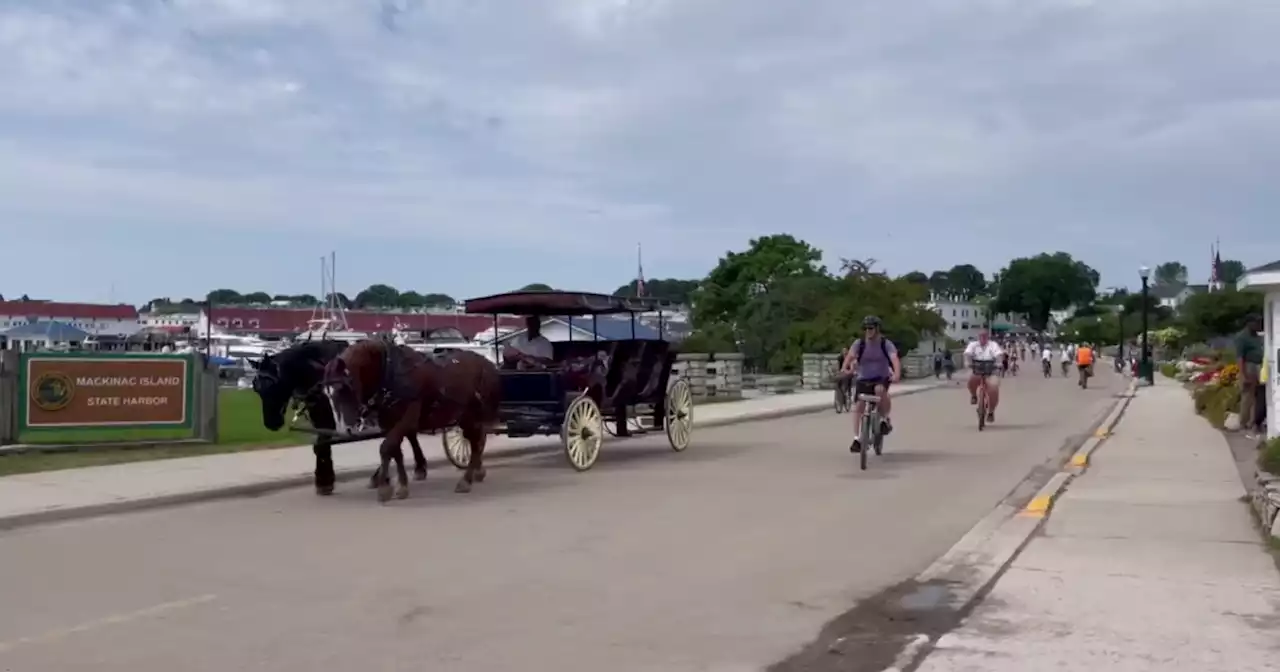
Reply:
x=582, y=432
x=679, y=417
x=456, y=447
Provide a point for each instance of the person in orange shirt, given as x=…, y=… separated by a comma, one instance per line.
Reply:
x=1084, y=359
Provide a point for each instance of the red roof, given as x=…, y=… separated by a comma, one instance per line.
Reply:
x=53, y=310
x=281, y=321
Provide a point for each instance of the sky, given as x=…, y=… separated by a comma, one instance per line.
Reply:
x=169, y=147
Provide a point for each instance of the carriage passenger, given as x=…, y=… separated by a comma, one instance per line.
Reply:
x=534, y=352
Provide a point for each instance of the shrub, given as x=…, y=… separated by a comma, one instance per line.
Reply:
x=1169, y=369
x=1229, y=374
x=1269, y=458
x=1214, y=402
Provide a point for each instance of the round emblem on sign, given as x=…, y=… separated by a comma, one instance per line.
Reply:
x=52, y=391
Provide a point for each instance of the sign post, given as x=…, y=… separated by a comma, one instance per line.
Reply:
x=81, y=390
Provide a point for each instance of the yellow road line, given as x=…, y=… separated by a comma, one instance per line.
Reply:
x=114, y=619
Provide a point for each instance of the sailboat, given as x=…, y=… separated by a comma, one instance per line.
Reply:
x=329, y=319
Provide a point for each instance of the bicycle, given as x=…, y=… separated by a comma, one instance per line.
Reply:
x=842, y=397
x=1084, y=377
x=1047, y=368
x=983, y=370
x=1065, y=368
x=869, y=433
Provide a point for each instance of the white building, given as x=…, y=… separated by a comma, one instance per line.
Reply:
x=964, y=319
x=1266, y=279
x=94, y=319
x=169, y=321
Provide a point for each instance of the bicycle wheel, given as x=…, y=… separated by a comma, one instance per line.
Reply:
x=982, y=409
x=877, y=437
x=865, y=438
x=841, y=400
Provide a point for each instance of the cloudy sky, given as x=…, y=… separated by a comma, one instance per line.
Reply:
x=167, y=147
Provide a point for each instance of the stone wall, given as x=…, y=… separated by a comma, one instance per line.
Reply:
x=717, y=375
x=819, y=368
x=1266, y=501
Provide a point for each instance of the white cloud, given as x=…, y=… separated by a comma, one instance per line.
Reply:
x=557, y=128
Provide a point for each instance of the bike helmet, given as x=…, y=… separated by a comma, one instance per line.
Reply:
x=871, y=322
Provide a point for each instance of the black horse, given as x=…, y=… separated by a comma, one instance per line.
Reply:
x=296, y=373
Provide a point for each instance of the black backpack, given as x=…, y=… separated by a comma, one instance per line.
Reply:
x=862, y=346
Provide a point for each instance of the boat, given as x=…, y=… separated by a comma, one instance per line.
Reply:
x=329, y=329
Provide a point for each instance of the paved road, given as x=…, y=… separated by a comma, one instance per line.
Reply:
x=725, y=558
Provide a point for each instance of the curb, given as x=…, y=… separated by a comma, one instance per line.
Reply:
x=344, y=475
x=972, y=566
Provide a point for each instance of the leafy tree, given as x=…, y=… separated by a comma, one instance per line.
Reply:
x=1115, y=297
x=740, y=276
x=940, y=283
x=436, y=300
x=1230, y=271
x=965, y=281
x=1172, y=274
x=342, y=299
x=671, y=289
x=410, y=299
x=537, y=287
x=256, y=297
x=916, y=278
x=24, y=298
x=224, y=297
x=1036, y=286
x=1211, y=314
x=856, y=266
x=378, y=296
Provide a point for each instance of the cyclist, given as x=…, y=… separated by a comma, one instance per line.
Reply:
x=1046, y=359
x=984, y=350
x=1084, y=359
x=947, y=363
x=876, y=362
x=1065, y=358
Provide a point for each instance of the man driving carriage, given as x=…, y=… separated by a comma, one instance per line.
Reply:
x=535, y=351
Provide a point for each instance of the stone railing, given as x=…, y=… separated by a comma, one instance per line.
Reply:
x=819, y=368
x=717, y=375
x=1266, y=501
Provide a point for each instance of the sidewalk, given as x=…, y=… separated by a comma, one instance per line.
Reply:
x=40, y=497
x=1148, y=561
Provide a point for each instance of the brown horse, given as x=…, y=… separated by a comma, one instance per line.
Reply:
x=407, y=393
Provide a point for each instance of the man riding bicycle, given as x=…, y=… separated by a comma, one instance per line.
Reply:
x=1084, y=360
x=876, y=362
x=984, y=350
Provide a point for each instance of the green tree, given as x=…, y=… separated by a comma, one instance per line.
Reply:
x=1230, y=271
x=342, y=299
x=437, y=300
x=916, y=278
x=740, y=276
x=939, y=283
x=378, y=296
x=965, y=281
x=225, y=297
x=1204, y=316
x=410, y=299
x=256, y=298
x=537, y=287
x=1036, y=286
x=670, y=289
x=1171, y=274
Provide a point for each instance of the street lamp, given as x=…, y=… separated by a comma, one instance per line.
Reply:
x=1145, y=367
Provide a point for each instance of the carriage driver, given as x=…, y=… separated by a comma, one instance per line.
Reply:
x=534, y=351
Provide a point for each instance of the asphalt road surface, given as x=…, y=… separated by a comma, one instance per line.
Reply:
x=728, y=557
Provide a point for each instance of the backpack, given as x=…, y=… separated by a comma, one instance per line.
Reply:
x=862, y=346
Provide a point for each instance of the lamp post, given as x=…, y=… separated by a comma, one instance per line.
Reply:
x=1145, y=368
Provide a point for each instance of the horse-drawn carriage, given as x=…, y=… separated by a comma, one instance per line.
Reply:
x=591, y=387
